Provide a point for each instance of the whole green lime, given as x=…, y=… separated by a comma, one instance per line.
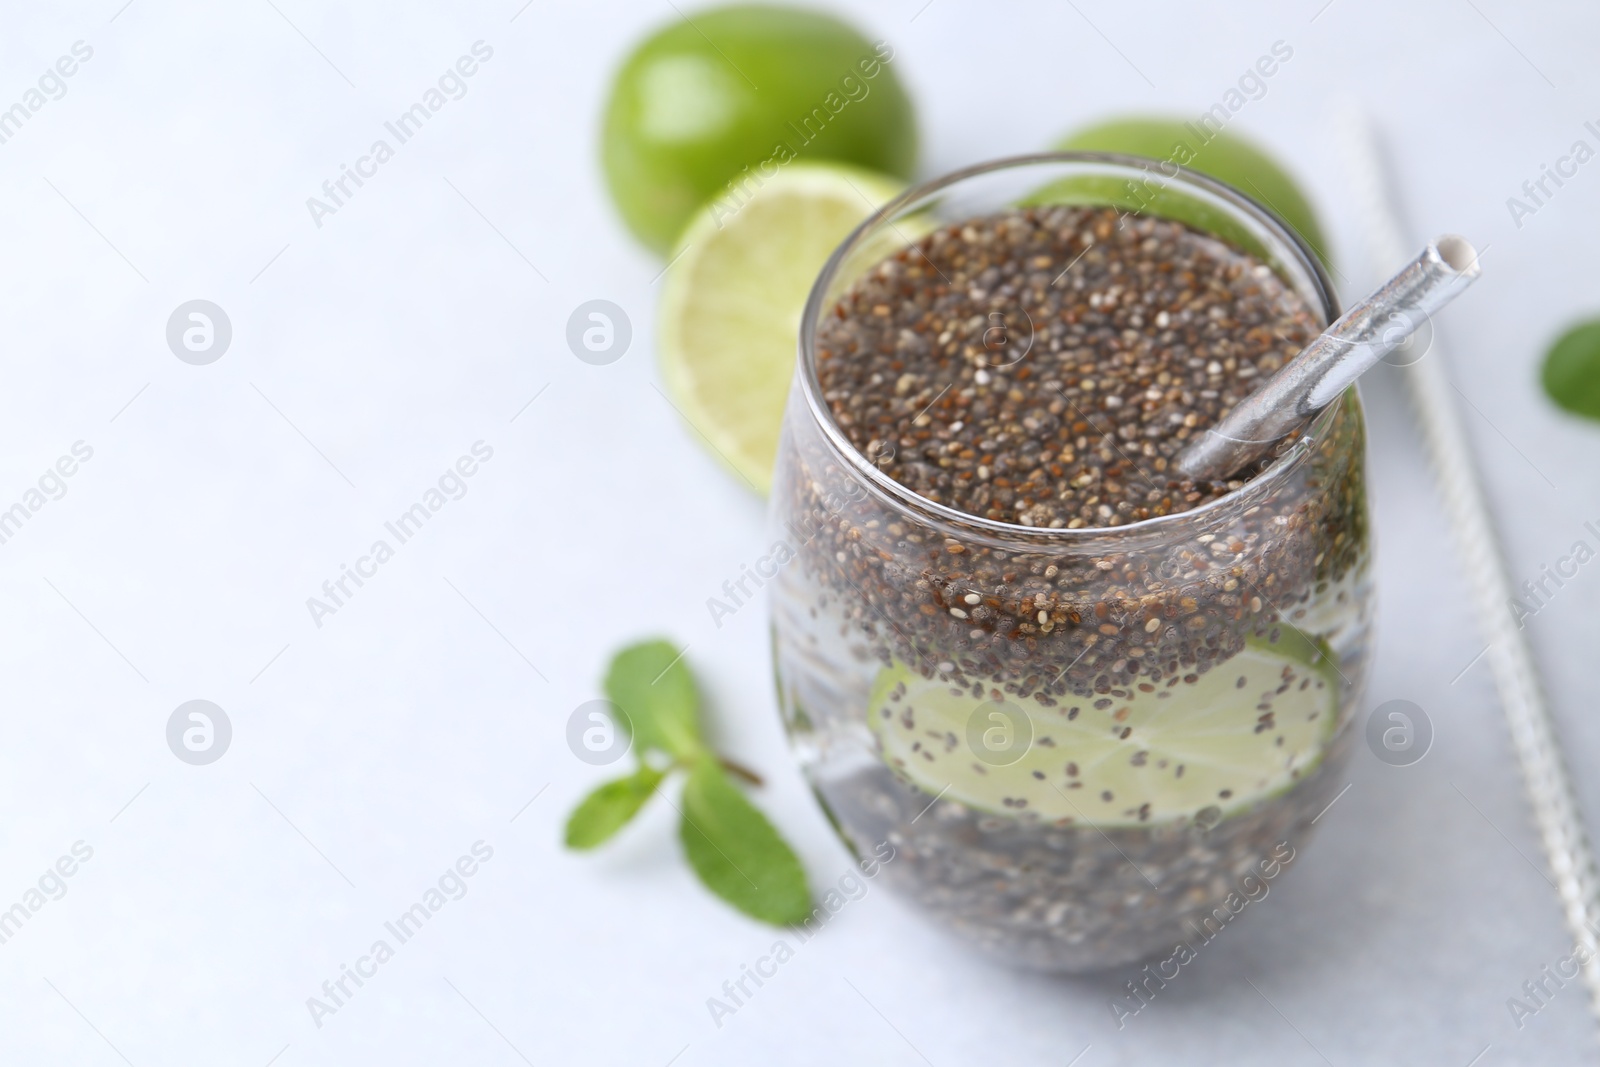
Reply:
x=1224, y=156
x=712, y=105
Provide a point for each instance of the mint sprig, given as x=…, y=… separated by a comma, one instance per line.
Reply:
x=731, y=846
x=1571, y=371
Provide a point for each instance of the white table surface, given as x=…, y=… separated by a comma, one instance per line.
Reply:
x=376, y=749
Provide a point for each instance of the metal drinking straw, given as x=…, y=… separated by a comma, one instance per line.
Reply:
x=1533, y=734
x=1329, y=364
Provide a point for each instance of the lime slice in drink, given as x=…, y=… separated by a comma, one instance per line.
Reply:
x=1247, y=729
x=730, y=309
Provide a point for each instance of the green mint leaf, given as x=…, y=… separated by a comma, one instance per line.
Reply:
x=737, y=853
x=1571, y=373
x=608, y=809
x=653, y=687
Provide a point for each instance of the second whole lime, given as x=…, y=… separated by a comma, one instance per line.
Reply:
x=1221, y=154
x=713, y=104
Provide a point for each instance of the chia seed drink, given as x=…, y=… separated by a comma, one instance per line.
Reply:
x=1081, y=696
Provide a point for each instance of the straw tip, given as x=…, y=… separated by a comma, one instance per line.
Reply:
x=1457, y=253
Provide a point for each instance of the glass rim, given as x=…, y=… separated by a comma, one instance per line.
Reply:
x=904, y=498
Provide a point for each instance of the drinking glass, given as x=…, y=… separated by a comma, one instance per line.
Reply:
x=1079, y=747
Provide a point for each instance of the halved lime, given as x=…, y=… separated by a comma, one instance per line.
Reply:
x=1247, y=729
x=731, y=306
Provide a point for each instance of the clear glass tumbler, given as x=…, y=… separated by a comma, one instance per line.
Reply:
x=1083, y=745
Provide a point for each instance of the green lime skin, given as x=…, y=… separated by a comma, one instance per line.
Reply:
x=1571, y=372
x=746, y=86
x=1225, y=156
